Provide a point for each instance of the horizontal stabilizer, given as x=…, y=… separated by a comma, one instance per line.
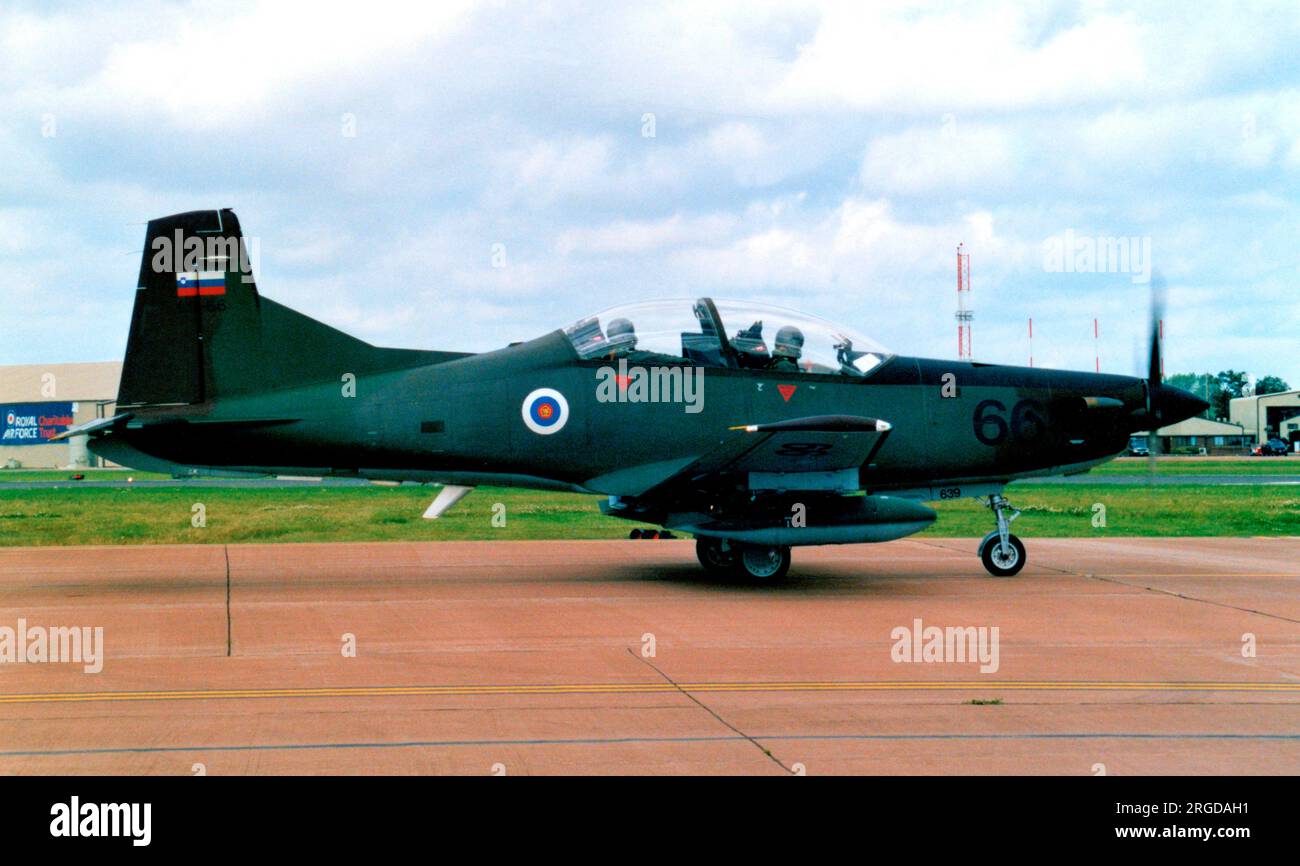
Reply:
x=98, y=427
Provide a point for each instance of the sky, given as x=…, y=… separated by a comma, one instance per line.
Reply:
x=459, y=175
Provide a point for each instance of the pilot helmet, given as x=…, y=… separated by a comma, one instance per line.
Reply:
x=788, y=342
x=620, y=335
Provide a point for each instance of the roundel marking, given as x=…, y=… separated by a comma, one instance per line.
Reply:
x=545, y=411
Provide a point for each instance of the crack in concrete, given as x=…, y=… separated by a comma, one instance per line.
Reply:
x=766, y=751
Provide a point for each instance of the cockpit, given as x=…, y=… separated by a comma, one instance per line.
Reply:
x=736, y=334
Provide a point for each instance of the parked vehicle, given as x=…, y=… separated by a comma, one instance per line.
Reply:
x=1271, y=448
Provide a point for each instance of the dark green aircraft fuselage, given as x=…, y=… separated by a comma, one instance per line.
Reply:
x=463, y=419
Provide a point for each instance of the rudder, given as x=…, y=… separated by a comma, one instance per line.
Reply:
x=200, y=330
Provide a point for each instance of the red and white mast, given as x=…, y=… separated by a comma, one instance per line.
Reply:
x=964, y=315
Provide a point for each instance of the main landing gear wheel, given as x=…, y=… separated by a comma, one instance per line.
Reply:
x=717, y=555
x=730, y=559
x=765, y=563
x=1001, y=552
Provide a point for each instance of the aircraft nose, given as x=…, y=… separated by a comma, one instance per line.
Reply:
x=1174, y=404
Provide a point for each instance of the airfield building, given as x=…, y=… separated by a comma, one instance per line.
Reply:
x=39, y=401
x=1193, y=435
x=1268, y=416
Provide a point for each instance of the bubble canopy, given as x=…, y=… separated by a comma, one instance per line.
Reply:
x=736, y=334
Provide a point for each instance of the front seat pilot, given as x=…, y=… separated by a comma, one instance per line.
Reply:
x=787, y=349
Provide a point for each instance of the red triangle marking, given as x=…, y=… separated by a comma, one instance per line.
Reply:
x=787, y=391
x=622, y=381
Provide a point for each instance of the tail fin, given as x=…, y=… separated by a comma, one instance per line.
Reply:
x=200, y=331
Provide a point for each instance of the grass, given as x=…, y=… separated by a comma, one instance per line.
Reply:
x=1137, y=466
x=163, y=515
x=1203, y=466
x=66, y=474
x=1051, y=510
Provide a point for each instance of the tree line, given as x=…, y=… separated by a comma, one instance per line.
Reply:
x=1219, y=388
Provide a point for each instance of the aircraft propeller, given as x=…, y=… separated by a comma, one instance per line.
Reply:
x=1155, y=374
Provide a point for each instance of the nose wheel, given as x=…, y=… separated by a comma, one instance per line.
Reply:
x=1001, y=552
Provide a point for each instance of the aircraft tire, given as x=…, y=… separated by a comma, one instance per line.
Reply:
x=761, y=562
x=996, y=564
x=714, y=559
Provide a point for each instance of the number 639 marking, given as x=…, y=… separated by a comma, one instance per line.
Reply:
x=1027, y=421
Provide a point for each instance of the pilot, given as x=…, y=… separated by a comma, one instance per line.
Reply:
x=787, y=349
x=620, y=337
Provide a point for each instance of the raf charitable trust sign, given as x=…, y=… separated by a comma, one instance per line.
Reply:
x=33, y=423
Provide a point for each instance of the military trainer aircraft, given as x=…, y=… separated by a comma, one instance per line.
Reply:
x=752, y=428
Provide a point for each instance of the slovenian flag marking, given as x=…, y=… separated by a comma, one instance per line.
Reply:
x=191, y=284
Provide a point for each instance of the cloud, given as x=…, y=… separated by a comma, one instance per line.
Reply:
x=946, y=158
x=828, y=156
x=907, y=58
x=640, y=236
x=205, y=65
x=546, y=172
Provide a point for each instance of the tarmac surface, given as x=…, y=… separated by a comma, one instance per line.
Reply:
x=1122, y=656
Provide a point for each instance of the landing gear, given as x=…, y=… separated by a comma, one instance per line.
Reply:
x=717, y=555
x=1001, y=552
x=729, y=559
x=765, y=563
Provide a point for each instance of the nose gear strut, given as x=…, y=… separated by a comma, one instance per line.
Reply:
x=1001, y=552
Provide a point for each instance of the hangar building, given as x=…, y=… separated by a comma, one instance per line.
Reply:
x=1194, y=434
x=39, y=401
x=1268, y=415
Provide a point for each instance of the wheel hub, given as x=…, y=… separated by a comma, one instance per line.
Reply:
x=762, y=561
x=1005, y=557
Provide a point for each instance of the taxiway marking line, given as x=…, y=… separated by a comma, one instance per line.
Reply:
x=1192, y=574
x=606, y=741
x=647, y=688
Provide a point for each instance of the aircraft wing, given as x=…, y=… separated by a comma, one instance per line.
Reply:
x=817, y=452
x=742, y=488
